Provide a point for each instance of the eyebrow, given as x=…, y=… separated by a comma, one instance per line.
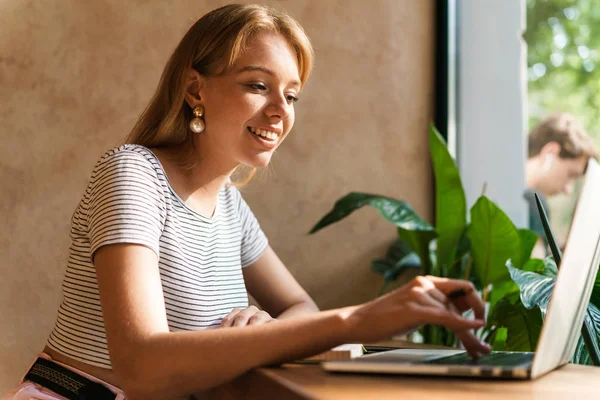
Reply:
x=250, y=68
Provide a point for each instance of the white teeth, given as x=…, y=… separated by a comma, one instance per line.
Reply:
x=264, y=133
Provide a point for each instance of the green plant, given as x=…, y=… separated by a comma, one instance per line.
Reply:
x=486, y=249
x=456, y=246
x=535, y=289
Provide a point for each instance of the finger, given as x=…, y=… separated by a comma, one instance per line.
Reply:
x=438, y=299
x=453, y=321
x=470, y=299
x=472, y=344
x=448, y=285
x=473, y=300
x=242, y=318
x=438, y=296
x=261, y=317
x=451, y=318
x=444, y=300
x=424, y=299
x=228, y=319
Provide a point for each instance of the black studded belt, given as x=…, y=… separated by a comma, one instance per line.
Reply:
x=67, y=383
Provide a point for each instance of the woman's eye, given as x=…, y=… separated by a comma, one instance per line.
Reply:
x=261, y=87
x=257, y=86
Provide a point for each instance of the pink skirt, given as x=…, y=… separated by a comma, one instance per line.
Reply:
x=27, y=390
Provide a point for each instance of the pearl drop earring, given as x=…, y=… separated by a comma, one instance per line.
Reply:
x=197, y=124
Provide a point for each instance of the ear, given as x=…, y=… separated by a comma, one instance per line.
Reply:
x=194, y=88
x=550, y=148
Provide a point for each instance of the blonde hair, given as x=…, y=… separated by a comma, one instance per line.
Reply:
x=211, y=46
x=565, y=130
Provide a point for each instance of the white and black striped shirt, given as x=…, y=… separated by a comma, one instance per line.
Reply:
x=129, y=200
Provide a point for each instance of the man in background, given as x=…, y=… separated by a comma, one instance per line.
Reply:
x=559, y=149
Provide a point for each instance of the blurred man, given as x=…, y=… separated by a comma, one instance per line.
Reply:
x=559, y=149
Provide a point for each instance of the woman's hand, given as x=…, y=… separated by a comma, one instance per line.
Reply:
x=424, y=300
x=247, y=316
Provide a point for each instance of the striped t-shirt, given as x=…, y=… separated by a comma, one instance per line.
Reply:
x=200, y=259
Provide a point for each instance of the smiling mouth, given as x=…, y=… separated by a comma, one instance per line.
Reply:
x=264, y=134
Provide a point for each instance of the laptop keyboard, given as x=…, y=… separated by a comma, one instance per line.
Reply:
x=498, y=358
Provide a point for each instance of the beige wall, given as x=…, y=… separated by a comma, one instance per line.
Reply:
x=74, y=75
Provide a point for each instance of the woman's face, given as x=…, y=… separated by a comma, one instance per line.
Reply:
x=250, y=110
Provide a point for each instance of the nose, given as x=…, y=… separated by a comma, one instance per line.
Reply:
x=278, y=107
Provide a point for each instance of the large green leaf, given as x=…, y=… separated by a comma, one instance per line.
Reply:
x=595, y=299
x=494, y=240
x=391, y=270
x=509, y=287
x=398, y=258
x=499, y=339
x=450, y=201
x=463, y=254
x=539, y=266
x=398, y=212
x=398, y=250
x=419, y=241
x=500, y=290
x=535, y=288
x=412, y=229
x=548, y=268
x=592, y=321
x=528, y=241
x=523, y=325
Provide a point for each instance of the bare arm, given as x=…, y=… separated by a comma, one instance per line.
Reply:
x=152, y=363
x=272, y=285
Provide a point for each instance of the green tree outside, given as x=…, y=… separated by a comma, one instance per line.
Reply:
x=563, y=38
x=563, y=71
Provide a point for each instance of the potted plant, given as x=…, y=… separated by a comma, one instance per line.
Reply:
x=476, y=246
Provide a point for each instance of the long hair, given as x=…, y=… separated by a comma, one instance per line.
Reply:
x=211, y=46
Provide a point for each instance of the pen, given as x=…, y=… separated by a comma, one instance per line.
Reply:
x=457, y=293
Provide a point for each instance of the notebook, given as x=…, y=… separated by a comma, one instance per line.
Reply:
x=561, y=327
x=341, y=352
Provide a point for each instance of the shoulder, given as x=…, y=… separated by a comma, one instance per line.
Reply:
x=128, y=168
x=128, y=152
x=128, y=158
x=529, y=195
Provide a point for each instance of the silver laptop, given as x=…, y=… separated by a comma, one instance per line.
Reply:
x=562, y=323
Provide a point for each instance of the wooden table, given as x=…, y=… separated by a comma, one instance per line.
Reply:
x=304, y=381
x=295, y=382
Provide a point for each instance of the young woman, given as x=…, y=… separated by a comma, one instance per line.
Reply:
x=164, y=248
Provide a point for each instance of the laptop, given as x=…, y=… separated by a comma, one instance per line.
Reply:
x=562, y=323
